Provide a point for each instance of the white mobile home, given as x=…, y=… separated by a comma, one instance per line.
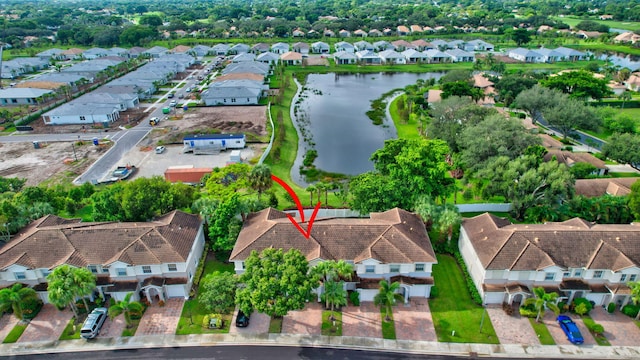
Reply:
x=214, y=141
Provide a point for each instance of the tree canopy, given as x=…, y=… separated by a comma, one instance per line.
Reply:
x=580, y=84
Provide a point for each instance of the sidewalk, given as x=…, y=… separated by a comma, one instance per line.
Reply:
x=358, y=343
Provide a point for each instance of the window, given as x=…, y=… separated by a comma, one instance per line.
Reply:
x=623, y=277
x=394, y=268
x=19, y=275
x=45, y=272
x=173, y=267
x=233, y=100
x=83, y=118
x=121, y=271
x=93, y=269
x=419, y=267
x=146, y=269
x=566, y=274
x=370, y=269
x=633, y=277
x=549, y=276
x=577, y=273
x=597, y=274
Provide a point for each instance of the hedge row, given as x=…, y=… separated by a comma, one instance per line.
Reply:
x=471, y=286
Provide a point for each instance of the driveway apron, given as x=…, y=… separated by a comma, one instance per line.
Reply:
x=159, y=320
x=112, y=328
x=307, y=321
x=559, y=336
x=414, y=322
x=7, y=322
x=619, y=329
x=258, y=324
x=48, y=325
x=512, y=329
x=362, y=321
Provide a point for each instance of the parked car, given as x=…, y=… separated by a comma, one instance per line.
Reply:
x=160, y=149
x=180, y=96
x=93, y=323
x=570, y=329
x=242, y=320
x=170, y=96
x=173, y=103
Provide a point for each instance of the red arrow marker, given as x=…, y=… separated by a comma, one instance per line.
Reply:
x=305, y=233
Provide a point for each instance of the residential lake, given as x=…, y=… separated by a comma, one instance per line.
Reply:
x=332, y=113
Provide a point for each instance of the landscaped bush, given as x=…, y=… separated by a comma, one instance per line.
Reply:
x=578, y=301
x=595, y=328
x=471, y=286
x=631, y=310
x=31, y=308
x=212, y=321
x=528, y=311
x=434, y=292
x=354, y=296
x=562, y=305
x=611, y=308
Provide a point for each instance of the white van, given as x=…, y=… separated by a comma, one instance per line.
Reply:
x=95, y=320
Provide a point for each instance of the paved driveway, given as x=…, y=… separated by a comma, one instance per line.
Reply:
x=514, y=329
x=363, y=320
x=112, y=328
x=414, y=322
x=619, y=329
x=159, y=320
x=48, y=325
x=7, y=322
x=559, y=336
x=307, y=321
x=258, y=324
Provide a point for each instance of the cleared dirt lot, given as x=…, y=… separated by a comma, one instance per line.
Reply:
x=53, y=161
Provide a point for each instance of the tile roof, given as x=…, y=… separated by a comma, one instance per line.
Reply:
x=570, y=244
x=569, y=158
x=51, y=241
x=394, y=236
x=599, y=187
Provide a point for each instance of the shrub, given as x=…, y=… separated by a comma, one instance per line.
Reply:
x=528, y=311
x=31, y=308
x=471, y=286
x=467, y=194
x=596, y=328
x=631, y=310
x=212, y=321
x=611, y=307
x=354, y=296
x=434, y=292
x=562, y=305
x=587, y=305
x=581, y=309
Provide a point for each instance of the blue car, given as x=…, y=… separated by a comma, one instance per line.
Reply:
x=570, y=329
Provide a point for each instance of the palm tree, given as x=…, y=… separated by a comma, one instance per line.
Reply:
x=126, y=307
x=625, y=96
x=14, y=298
x=427, y=209
x=448, y=218
x=334, y=294
x=332, y=271
x=67, y=283
x=260, y=178
x=387, y=297
x=311, y=189
x=84, y=282
x=543, y=300
x=634, y=286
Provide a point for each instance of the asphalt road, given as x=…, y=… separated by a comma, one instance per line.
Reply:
x=240, y=352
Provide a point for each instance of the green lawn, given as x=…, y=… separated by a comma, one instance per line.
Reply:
x=275, y=325
x=388, y=327
x=71, y=333
x=600, y=339
x=543, y=333
x=406, y=130
x=454, y=311
x=327, y=326
x=625, y=25
x=14, y=334
x=193, y=312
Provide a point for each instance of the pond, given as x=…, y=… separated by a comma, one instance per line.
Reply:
x=623, y=60
x=331, y=118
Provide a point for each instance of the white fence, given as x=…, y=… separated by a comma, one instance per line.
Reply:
x=273, y=133
x=348, y=213
x=465, y=208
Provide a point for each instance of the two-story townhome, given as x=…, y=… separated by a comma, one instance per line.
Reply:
x=573, y=258
x=156, y=258
x=391, y=245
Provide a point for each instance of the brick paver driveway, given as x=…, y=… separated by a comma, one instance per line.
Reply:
x=48, y=325
x=363, y=320
x=112, y=328
x=514, y=329
x=161, y=320
x=258, y=324
x=414, y=322
x=7, y=322
x=619, y=329
x=307, y=321
x=559, y=336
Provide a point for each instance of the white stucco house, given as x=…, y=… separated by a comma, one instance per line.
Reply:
x=155, y=259
x=525, y=55
x=573, y=258
x=392, y=245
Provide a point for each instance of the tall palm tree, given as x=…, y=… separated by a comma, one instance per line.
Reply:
x=542, y=301
x=126, y=307
x=260, y=179
x=387, y=297
x=332, y=271
x=634, y=286
x=334, y=294
x=14, y=298
x=311, y=189
x=67, y=283
x=84, y=282
x=448, y=218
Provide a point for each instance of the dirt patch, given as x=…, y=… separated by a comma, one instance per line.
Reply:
x=316, y=60
x=250, y=120
x=54, y=161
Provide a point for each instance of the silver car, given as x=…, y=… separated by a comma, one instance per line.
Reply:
x=93, y=323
